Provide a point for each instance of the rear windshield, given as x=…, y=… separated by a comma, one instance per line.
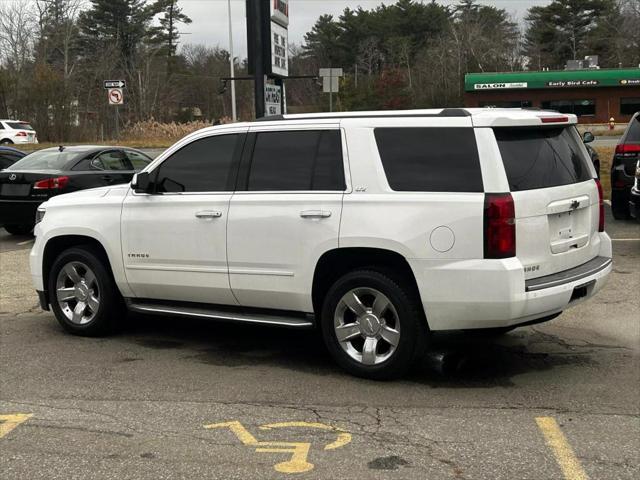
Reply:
x=633, y=132
x=19, y=125
x=422, y=159
x=44, y=160
x=542, y=157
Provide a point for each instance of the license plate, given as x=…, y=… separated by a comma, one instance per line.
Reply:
x=17, y=190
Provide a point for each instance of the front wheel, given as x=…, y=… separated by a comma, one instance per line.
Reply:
x=373, y=324
x=83, y=294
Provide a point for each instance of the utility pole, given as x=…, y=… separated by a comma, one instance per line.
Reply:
x=256, y=36
x=234, y=115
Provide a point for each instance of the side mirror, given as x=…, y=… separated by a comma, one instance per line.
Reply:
x=588, y=137
x=141, y=182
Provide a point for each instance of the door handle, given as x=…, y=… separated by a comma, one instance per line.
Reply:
x=208, y=214
x=315, y=214
x=108, y=178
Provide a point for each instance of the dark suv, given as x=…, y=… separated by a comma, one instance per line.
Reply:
x=623, y=168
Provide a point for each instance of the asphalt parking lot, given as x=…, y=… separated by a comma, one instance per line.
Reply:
x=171, y=398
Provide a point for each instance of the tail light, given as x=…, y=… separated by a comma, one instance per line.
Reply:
x=51, y=183
x=554, y=119
x=21, y=134
x=601, y=206
x=627, y=149
x=499, y=226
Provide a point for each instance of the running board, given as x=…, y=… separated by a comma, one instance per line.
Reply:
x=282, y=319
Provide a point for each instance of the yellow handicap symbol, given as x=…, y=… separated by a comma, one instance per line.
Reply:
x=299, y=450
x=9, y=422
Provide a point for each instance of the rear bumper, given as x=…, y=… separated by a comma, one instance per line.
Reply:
x=470, y=294
x=18, y=212
x=23, y=140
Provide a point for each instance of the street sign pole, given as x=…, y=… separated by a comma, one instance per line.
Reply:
x=330, y=89
x=234, y=115
x=255, y=22
x=117, y=122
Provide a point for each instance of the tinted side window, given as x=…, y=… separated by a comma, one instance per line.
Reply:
x=112, y=160
x=137, y=159
x=430, y=159
x=541, y=157
x=201, y=166
x=297, y=160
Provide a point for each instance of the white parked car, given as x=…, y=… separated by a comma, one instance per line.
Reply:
x=377, y=228
x=15, y=131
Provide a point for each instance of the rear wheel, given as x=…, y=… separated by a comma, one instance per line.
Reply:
x=84, y=297
x=5, y=141
x=620, y=211
x=18, y=229
x=373, y=325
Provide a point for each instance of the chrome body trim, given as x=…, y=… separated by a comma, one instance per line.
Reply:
x=585, y=270
x=201, y=312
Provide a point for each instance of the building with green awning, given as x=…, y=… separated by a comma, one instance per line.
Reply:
x=595, y=95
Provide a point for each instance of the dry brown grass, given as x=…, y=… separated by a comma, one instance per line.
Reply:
x=606, y=155
x=152, y=131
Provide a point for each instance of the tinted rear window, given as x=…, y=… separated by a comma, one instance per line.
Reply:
x=19, y=125
x=633, y=133
x=430, y=159
x=541, y=157
x=44, y=160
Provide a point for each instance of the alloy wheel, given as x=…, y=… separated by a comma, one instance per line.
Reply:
x=78, y=293
x=367, y=326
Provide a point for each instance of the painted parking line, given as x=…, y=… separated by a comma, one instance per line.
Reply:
x=25, y=242
x=9, y=422
x=625, y=239
x=566, y=458
x=299, y=451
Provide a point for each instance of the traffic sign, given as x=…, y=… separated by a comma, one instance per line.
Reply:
x=115, y=84
x=115, y=96
x=272, y=100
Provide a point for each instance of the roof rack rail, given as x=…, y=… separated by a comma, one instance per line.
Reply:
x=446, y=112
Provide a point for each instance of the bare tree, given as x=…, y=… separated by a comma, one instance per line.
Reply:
x=17, y=28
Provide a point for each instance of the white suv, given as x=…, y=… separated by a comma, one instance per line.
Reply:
x=377, y=228
x=13, y=131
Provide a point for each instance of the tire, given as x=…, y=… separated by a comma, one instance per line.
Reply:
x=91, y=281
x=6, y=141
x=619, y=212
x=18, y=229
x=404, y=316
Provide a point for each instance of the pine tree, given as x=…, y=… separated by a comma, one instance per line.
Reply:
x=123, y=24
x=166, y=35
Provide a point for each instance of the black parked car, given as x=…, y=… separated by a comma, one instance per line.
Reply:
x=52, y=171
x=9, y=156
x=623, y=168
x=587, y=138
x=634, y=197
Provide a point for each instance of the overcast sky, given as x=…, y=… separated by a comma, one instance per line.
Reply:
x=210, y=26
